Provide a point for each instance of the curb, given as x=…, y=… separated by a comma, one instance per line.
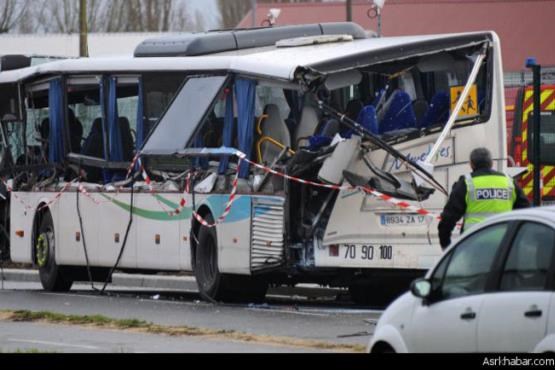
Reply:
x=186, y=283
x=181, y=283
x=31, y=276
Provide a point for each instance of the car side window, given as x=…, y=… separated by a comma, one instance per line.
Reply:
x=529, y=258
x=439, y=273
x=471, y=262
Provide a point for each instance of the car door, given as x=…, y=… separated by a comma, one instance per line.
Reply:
x=448, y=321
x=514, y=317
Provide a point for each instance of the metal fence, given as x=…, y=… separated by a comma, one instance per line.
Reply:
x=524, y=77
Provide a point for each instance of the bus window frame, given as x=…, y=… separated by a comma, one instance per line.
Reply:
x=145, y=77
x=82, y=159
x=196, y=74
x=483, y=118
x=80, y=80
x=27, y=90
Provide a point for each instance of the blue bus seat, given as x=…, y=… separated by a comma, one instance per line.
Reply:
x=398, y=114
x=438, y=110
x=329, y=129
x=368, y=119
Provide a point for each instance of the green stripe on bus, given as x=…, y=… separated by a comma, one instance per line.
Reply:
x=186, y=213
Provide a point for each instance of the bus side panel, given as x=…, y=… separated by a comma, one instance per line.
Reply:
x=70, y=238
x=23, y=209
x=233, y=234
x=185, y=262
x=21, y=219
x=112, y=220
x=158, y=232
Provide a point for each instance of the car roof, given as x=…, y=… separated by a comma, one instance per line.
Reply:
x=547, y=213
x=274, y=62
x=544, y=214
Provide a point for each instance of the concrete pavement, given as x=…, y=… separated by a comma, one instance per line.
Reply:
x=180, y=283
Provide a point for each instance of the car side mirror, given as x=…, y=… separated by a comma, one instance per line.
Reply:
x=421, y=288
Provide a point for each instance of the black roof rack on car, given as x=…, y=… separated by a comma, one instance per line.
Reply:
x=196, y=44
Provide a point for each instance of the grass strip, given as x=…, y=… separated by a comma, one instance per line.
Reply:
x=142, y=326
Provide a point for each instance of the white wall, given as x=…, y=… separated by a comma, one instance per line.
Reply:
x=101, y=44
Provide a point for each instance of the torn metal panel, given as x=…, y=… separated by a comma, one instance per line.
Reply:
x=399, y=52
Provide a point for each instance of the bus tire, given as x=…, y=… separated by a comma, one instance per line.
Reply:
x=51, y=275
x=215, y=286
x=211, y=283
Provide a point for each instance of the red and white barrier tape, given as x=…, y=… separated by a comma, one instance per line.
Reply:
x=48, y=203
x=133, y=163
x=227, y=210
x=297, y=179
x=84, y=191
x=58, y=195
x=10, y=190
x=387, y=198
x=242, y=157
x=233, y=195
x=183, y=201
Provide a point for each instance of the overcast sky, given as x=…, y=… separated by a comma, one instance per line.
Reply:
x=208, y=9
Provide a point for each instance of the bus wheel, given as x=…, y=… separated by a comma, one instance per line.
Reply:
x=51, y=275
x=214, y=285
x=211, y=284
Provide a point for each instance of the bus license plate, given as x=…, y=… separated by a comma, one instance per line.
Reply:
x=366, y=252
x=403, y=220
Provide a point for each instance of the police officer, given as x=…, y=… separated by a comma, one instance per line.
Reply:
x=478, y=195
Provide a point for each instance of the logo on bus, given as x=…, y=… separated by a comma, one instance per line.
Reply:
x=445, y=152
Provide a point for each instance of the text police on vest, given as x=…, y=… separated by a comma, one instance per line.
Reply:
x=487, y=194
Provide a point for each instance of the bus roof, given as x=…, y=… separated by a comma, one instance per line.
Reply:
x=273, y=62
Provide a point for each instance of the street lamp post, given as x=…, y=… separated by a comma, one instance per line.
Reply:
x=83, y=46
x=379, y=4
x=253, y=13
x=349, y=4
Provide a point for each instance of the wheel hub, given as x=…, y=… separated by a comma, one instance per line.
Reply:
x=41, y=249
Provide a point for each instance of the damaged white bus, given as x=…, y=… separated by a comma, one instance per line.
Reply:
x=296, y=108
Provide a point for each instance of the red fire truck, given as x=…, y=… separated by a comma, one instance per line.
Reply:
x=519, y=108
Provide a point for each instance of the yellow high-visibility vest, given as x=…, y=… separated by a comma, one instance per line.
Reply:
x=487, y=196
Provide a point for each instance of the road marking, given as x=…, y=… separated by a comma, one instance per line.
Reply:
x=58, y=344
x=351, y=311
x=262, y=309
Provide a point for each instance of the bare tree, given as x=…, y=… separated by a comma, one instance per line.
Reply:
x=11, y=12
x=146, y=16
x=62, y=16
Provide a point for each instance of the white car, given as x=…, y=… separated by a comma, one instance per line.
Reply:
x=492, y=291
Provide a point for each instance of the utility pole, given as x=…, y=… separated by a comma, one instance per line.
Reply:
x=83, y=45
x=349, y=4
x=536, y=71
x=253, y=13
